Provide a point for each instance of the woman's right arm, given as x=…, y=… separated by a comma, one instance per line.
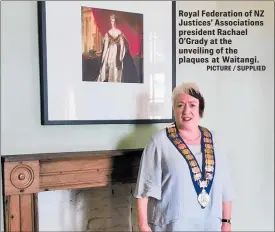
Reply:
x=148, y=183
x=142, y=214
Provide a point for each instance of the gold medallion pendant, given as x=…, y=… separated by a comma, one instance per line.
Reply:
x=203, y=198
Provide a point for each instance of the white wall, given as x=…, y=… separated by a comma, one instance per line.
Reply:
x=247, y=122
x=21, y=97
x=239, y=106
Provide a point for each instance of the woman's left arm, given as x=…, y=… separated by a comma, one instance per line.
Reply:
x=226, y=214
x=227, y=197
x=227, y=188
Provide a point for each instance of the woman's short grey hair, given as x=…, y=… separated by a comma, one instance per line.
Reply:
x=191, y=89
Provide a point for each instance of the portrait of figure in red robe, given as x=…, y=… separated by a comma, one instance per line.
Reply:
x=112, y=46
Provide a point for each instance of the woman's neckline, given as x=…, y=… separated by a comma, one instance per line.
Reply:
x=193, y=145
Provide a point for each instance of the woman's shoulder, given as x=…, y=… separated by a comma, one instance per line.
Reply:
x=118, y=31
x=159, y=135
x=156, y=139
x=211, y=131
x=156, y=142
x=218, y=141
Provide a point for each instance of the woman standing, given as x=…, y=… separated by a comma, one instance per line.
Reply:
x=183, y=182
x=112, y=55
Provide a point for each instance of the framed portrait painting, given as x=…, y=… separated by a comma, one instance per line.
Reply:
x=106, y=62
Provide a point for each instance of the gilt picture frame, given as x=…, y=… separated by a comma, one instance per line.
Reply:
x=106, y=62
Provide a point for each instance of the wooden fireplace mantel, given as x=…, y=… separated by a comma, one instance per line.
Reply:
x=27, y=175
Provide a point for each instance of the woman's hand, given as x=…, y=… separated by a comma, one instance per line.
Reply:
x=145, y=228
x=226, y=227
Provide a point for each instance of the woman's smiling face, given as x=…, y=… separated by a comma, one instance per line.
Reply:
x=186, y=111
